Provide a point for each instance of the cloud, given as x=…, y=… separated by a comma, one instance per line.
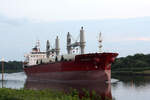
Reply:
x=58, y=10
x=139, y=39
x=126, y=39
x=4, y=20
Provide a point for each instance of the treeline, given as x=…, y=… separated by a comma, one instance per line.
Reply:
x=11, y=66
x=137, y=62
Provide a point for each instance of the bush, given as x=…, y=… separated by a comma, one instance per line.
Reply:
x=22, y=94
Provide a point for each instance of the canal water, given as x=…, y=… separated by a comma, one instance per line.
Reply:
x=120, y=88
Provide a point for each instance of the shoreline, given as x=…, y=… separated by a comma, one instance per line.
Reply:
x=47, y=94
x=133, y=73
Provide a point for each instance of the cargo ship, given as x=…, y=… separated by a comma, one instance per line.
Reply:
x=75, y=66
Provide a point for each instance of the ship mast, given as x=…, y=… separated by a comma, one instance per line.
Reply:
x=100, y=42
x=47, y=49
x=82, y=40
x=69, y=43
x=38, y=45
x=80, y=44
x=51, y=50
x=57, y=48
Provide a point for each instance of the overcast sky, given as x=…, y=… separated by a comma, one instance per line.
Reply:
x=57, y=10
x=124, y=24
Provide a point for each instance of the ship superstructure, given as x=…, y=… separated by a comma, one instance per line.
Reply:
x=32, y=57
x=50, y=65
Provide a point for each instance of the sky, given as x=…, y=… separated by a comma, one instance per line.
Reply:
x=58, y=10
x=124, y=25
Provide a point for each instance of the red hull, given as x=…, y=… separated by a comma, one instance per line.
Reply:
x=86, y=67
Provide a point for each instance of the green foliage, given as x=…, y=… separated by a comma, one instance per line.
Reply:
x=137, y=62
x=12, y=66
x=12, y=94
x=22, y=94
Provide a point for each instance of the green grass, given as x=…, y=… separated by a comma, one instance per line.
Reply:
x=12, y=94
x=24, y=94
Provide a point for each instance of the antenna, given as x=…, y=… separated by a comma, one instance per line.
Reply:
x=100, y=42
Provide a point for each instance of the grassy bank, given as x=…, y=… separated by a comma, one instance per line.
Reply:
x=13, y=94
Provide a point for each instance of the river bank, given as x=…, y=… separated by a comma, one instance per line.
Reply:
x=133, y=73
x=138, y=64
x=24, y=94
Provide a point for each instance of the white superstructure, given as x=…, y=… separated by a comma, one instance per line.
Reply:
x=34, y=55
x=53, y=54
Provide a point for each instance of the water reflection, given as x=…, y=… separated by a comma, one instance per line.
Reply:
x=101, y=89
x=14, y=84
x=13, y=80
x=137, y=81
x=124, y=88
x=132, y=88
